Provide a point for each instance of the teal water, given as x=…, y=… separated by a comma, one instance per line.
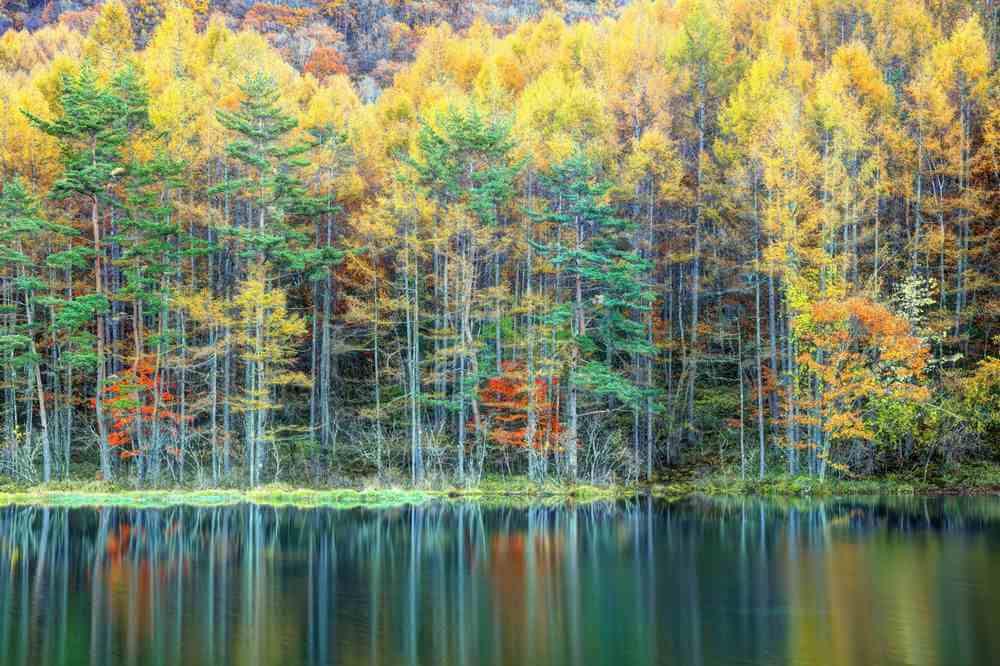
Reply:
x=839, y=582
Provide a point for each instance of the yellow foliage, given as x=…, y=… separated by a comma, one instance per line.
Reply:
x=25, y=150
x=558, y=112
x=110, y=38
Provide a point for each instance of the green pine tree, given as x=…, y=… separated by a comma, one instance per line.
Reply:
x=94, y=124
x=465, y=162
x=608, y=282
x=269, y=165
x=21, y=222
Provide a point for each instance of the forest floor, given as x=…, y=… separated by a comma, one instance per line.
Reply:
x=971, y=479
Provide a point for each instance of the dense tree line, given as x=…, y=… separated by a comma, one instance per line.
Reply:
x=755, y=236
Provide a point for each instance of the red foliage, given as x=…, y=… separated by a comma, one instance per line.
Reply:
x=134, y=402
x=506, y=398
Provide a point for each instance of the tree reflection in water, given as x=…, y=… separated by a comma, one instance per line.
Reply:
x=640, y=582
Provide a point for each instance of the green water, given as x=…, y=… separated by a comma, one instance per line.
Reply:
x=861, y=582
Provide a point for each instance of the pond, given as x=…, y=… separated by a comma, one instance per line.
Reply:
x=697, y=581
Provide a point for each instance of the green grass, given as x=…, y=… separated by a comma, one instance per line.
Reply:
x=976, y=479
x=212, y=497
x=512, y=491
x=981, y=478
x=783, y=486
x=519, y=486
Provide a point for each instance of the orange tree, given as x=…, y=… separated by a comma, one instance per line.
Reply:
x=509, y=400
x=862, y=356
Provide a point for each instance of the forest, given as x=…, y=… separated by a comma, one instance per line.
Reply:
x=747, y=238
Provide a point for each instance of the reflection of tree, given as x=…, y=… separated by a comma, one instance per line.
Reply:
x=840, y=581
x=525, y=568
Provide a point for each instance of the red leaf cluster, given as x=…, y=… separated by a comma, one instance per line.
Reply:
x=134, y=401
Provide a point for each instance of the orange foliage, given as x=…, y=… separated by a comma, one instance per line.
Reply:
x=861, y=350
x=506, y=399
x=265, y=17
x=324, y=62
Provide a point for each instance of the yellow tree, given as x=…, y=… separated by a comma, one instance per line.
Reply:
x=946, y=96
x=962, y=68
x=852, y=104
x=211, y=317
x=110, y=40
x=766, y=124
x=702, y=49
x=266, y=337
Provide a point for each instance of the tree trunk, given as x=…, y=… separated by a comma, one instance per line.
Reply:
x=42, y=413
x=102, y=427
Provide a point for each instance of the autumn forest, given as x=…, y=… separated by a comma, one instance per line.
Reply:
x=747, y=238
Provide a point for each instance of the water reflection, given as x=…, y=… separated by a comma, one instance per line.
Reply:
x=695, y=582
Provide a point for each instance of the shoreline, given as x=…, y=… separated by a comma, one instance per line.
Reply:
x=501, y=492
x=67, y=494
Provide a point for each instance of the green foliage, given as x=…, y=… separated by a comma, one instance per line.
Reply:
x=95, y=121
x=270, y=166
x=20, y=221
x=151, y=238
x=465, y=158
x=75, y=313
x=13, y=343
x=613, y=275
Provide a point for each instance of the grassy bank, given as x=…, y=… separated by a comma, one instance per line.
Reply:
x=61, y=495
x=972, y=479
x=508, y=491
x=968, y=480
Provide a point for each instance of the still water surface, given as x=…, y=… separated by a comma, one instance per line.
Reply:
x=847, y=582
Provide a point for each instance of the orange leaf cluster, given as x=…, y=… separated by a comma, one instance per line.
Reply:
x=265, y=17
x=861, y=350
x=325, y=62
x=508, y=398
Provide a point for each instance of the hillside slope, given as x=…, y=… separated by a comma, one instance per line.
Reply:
x=362, y=37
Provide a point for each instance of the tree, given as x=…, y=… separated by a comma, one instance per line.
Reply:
x=507, y=399
x=20, y=221
x=269, y=175
x=149, y=237
x=608, y=288
x=139, y=410
x=93, y=125
x=868, y=354
x=110, y=39
x=275, y=195
x=466, y=163
x=266, y=337
x=703, y=50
